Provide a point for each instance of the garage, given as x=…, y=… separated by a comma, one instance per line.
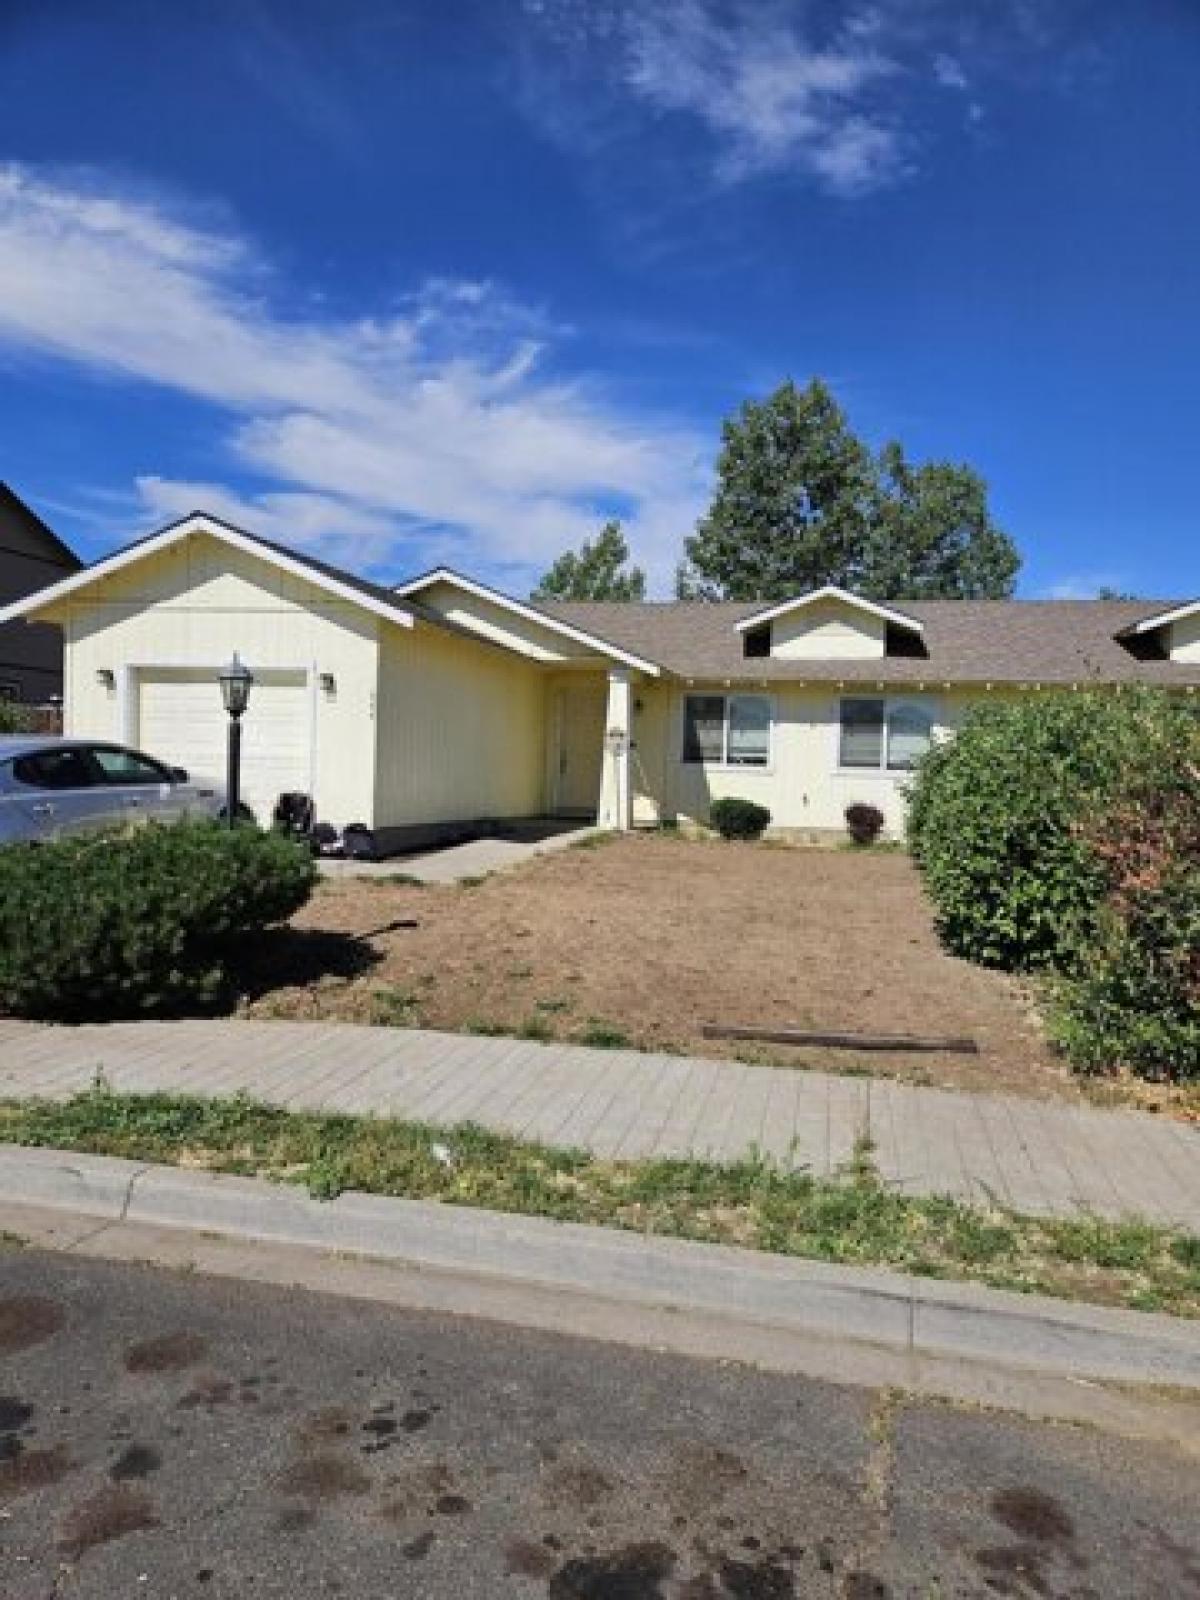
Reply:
x=180, y=719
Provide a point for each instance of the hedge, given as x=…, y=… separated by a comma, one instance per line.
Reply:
x=1061, y=832
x=140, y=922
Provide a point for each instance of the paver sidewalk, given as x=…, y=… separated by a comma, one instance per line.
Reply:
x=1038, y=1158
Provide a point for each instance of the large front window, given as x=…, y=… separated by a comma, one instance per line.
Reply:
x=883, y=735
x=729, y=730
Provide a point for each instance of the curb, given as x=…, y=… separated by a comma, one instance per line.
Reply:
x=876, y=1308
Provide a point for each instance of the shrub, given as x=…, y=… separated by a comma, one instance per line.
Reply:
x=146, y=921
x=15, y=718
x=994, y=812
x=738, y=819
x=865, y=822
x=1135, y=998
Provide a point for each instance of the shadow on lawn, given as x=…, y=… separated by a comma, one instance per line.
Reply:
x=292, y=958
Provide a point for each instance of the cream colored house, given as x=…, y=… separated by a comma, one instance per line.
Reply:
x=443, y=703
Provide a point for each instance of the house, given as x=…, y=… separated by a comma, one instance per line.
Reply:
x=31, y=556
x=442, y=702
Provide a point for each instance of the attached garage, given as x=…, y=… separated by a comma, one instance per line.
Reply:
x=179, y=716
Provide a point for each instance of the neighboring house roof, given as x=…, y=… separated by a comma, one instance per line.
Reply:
x=829, y=591
x=545, y=616
x=965, y=641
x=58, y=551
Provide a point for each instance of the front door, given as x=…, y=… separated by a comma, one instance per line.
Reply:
x=581, y=715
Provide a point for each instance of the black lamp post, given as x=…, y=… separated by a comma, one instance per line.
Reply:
x=236, y=680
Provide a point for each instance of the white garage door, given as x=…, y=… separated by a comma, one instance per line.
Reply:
x=181, y=720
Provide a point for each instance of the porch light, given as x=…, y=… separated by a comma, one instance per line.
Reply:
x=235, y=683
x=106, y=677
x=328, y=682
x=236, y=680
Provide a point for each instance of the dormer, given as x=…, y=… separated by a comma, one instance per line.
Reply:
x=830, y=624
x=1170, y=635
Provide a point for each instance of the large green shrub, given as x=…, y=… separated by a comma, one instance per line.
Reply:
x=734, y=818
x=994, y=815
x=140, y=922
x=1134, y=997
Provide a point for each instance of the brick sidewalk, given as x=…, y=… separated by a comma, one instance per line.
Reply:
x=1032, y=1156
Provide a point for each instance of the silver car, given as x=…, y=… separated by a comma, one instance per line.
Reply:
x=51, y=788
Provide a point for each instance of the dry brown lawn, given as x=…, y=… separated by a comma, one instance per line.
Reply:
x=645, y=938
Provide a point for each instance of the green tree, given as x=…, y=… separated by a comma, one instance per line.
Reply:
x=932, y=536
x=801, y=501
x=596, y=572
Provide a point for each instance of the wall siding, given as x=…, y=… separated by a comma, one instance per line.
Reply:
x=462, y=731
x=828, y=631
x=1185, y=639
x=193, y=605
x=803, y=787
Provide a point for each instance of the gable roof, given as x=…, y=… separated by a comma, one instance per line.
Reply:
x=1162, y=619
x=830, y=591
x=374, y=597
x=546, y=617
x=970, y=642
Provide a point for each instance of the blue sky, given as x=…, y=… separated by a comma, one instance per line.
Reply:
x=410, y=281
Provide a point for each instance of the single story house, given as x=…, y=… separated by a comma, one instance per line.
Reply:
x=442, y=702
x=31, y=556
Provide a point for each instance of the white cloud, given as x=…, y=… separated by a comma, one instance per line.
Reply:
x=430, y=427
x=772, y=97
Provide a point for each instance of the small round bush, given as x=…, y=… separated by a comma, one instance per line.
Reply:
x=734, y=818
x=864, y=822
x=994, y=813
x=141, y=922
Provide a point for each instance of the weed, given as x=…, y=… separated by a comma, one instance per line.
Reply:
x=553, y=1005
x=602, y=1035
x=535, y=1027
x=473, y=880
x=756, y=1202
x=394, y=1008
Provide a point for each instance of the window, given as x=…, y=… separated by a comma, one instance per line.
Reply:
x=883, y=735
x=55, y=769
x=126, y=767
x=731, y=730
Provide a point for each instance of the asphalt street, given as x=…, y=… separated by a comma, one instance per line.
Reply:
x=166, y=1434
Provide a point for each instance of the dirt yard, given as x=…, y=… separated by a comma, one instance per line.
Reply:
x=644, y=939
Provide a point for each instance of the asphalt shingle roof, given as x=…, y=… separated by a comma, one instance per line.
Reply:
x=966, y=641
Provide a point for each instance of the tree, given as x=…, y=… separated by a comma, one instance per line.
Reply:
x=801, y=501
x=933, y=537
x=596, y=572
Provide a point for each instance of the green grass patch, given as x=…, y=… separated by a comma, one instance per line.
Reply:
x=854, y=1219
x=395, y=1008
x=602, y=1035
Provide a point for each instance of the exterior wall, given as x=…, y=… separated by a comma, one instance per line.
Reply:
x=802, y=786
x=1185, y=639
x=501, y=625
x=461, y=733
x=194, y=605
x=31, y=654
x=828, y=631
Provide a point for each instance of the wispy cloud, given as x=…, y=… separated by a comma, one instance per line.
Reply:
x=771, y=95
x=434, y=426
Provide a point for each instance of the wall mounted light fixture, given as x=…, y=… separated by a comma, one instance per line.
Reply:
x=106, y=677
x=328, y=682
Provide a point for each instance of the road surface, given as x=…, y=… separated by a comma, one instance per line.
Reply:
x=164, y=1434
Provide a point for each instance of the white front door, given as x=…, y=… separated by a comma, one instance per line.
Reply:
x=580, y=750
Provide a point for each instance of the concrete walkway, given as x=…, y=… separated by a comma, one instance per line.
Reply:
x=476, y=858
x=1032, y=1156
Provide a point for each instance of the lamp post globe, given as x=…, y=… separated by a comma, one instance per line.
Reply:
x=236, y=680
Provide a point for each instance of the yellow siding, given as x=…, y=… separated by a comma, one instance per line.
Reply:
x=802, y=788
x=196, y=603
x=501, y=625
x=461, y=730
x=827, y=631
x=1185, y=639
